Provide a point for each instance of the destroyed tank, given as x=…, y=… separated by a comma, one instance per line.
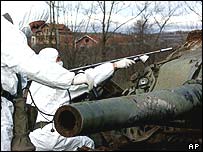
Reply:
x=162, y=110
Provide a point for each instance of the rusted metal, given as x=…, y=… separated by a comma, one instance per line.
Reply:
x=107, y=114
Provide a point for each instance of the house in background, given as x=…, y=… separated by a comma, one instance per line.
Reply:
x=90, y=40
x=83, y=40
x=86, y=41
x=43, y=34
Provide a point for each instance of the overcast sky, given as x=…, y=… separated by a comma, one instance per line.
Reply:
x=182, y=20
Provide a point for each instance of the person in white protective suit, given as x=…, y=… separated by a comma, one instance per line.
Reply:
x=18, y=58
x=48, y=100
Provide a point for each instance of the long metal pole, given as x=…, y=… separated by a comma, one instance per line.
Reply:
x=134, y=57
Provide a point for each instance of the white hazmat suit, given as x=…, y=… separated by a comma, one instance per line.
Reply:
x=48, y=100
x=18, y=57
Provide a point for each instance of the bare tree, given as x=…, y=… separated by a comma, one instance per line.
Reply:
x=89, y=12
x=195, y=7
x=143, y=27
x=156, y=18
x=150, y=25
x=73, y=20
x=165, y=12
x=115, y=7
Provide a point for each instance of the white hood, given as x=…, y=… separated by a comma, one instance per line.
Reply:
x=49, y=54
x=25, y=12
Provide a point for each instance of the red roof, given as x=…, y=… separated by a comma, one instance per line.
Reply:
x=116, y=38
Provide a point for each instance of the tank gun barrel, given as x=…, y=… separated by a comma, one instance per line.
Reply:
x=127, y=111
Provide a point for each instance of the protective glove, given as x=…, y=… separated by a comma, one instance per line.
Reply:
x=123, y=63
x=83, y=78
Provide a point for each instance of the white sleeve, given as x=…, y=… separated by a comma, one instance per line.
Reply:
x=101, y=72
x=16, y=54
